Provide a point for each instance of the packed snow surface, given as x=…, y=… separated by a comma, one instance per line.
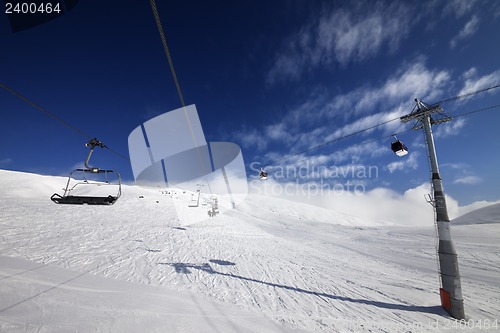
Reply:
x=269, y=265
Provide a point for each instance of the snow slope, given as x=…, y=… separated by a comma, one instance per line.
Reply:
x=269, y=265
x=485, y=215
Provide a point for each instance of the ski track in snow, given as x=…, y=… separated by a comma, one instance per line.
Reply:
x=322, y=271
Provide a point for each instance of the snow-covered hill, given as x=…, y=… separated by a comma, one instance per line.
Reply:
x=270, y=265
x=485, y=215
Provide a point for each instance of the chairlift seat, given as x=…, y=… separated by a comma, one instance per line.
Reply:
x=97, y=198
x=83, y=200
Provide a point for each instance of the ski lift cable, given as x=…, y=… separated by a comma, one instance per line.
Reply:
x=65, y=123
x=391, y=120
x=371, y=140
x=172, y=69
x=468, y=94
x=176, y=81
x=357, y=144
x=306, y=158
x=335, y=140
x=19, y=95
x=410, y=128
x=74, y=128
x=360, y=143
x=476, y=111
x=167, y=52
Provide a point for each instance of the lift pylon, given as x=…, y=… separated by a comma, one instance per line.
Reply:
x=451, y=289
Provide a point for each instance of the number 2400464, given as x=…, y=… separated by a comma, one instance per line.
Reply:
x=32, y=8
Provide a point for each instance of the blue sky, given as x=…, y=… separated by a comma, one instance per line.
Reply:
x=275, y=77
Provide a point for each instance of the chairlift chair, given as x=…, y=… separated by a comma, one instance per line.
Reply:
x=263, y=174
x=90, y=177
x=399, y=147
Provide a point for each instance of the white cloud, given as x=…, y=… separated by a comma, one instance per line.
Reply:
x=321, y=119
x=474, y=83
x=319, y=170
x=341, y=36
x=467, y=180
x=250, y=138
x=379, y=206
x=357, y=152
x=416, y=81
x=455, y=166
x=470, y=73
x=411, y=81
x=355, y=126
x=346, y=158
x=449, y=128
x=408, y=162
x=6, y=161
x=286, y=66
x=300, y=161
x=299, y=128
x=383, y=204
x=468, y=30
x=459, y=7
x=307, y=139
x=276, y=131
x=463, y=173
x=350, y=37
x=496, y=10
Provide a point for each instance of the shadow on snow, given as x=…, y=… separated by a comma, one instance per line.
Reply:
x=185, y=268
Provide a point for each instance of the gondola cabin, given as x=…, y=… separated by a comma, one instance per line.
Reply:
x=262, y=174
x=399, y=148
